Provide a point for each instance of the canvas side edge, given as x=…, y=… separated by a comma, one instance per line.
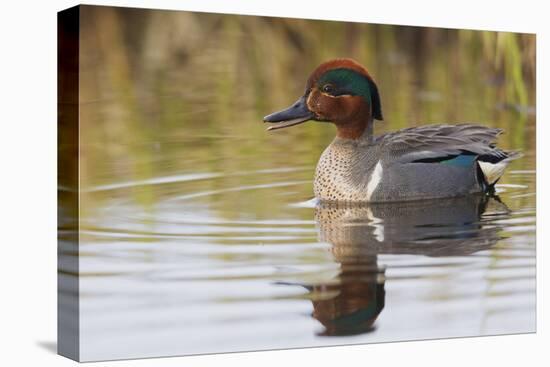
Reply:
x=68, y=310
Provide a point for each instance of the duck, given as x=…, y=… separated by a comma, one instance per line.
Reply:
x=424, y=162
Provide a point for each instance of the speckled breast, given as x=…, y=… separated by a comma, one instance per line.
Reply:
x=343, y=173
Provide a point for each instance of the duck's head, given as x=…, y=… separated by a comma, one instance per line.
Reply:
x=340, y=91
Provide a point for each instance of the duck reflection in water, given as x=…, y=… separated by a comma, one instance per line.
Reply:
x=350, y=303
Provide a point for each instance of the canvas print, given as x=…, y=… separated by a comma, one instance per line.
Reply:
x=237, y=183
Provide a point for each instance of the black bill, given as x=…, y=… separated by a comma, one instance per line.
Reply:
x=296, y=114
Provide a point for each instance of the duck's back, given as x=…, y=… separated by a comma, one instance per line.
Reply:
x=426, y=162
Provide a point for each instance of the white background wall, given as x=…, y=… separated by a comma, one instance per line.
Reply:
x=28, y=181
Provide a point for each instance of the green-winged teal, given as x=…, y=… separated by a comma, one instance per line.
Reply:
x=426, y=162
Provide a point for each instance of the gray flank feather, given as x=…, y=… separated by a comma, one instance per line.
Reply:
x=432, y=141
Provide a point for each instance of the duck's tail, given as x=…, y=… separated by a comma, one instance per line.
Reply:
x=492, y=166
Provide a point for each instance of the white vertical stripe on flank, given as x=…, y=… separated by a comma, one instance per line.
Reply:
x=374, y=180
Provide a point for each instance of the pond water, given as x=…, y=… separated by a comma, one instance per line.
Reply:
x=194, y=274
x=199, y=232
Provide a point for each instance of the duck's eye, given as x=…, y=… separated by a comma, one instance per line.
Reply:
x=327, y=88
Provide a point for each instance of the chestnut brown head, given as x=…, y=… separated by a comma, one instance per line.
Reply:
x=340, y=91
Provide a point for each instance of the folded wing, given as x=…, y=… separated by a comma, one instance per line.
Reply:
x=457, y=145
